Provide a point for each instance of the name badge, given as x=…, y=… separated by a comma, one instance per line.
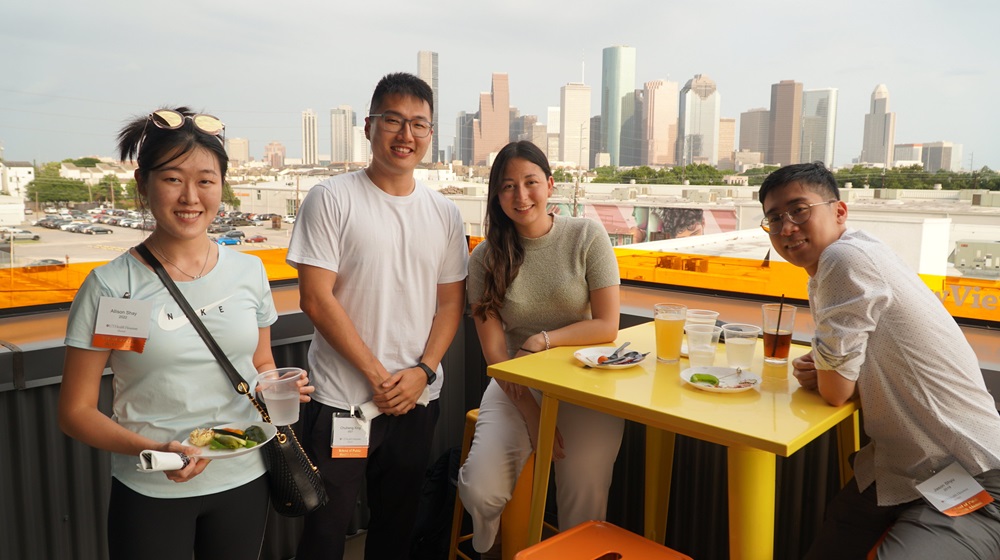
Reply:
x=122, y=324
x=954, y=492
x=349, y=436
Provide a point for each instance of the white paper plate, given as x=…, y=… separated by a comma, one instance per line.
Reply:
x=209, y=453
x=729, y=381
x=589, y=357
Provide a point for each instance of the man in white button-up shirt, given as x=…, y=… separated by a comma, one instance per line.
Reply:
x=884, y=337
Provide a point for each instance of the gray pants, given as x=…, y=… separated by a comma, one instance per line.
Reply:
x=854, y=522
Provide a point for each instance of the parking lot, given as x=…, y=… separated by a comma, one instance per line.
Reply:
x=77, y=247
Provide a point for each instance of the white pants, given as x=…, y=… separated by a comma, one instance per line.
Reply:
x=501, y=447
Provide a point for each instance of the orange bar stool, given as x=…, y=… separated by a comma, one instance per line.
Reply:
x=598, y=540
x=515, y=517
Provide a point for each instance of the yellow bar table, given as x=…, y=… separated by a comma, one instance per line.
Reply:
x=777, y=418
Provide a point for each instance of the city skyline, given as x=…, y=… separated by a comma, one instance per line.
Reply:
x=258, y=68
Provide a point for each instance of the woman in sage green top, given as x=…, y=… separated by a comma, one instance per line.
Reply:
x=538, y=281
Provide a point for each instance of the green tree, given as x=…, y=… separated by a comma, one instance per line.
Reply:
x=758, y=174
x=84, y=162
x=228, y=197
x=108, y=189
x=606, y=174
x=562, y=176
x=48, y=186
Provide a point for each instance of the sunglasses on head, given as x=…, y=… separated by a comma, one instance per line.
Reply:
x=172, y=120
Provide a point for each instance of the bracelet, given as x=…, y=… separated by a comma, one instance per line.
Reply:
x=545, y=335
x=523, y=349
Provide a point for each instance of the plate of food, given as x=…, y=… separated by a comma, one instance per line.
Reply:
x=230, y=440
x=603, y=357
x=720, y=379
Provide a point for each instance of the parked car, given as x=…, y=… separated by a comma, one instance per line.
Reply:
x=19, y=234
x=238, y=234
x=97, y=230
x=219, y=228
x=227, y=240
x=289, y=219
x=45, y=265
x=255, y=239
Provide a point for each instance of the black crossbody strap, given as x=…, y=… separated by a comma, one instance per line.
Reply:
x=235, y=378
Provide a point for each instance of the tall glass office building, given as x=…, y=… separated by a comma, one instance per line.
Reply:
x=819, y=125
x=617, y=82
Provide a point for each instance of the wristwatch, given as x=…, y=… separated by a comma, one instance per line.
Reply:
x=431, y=374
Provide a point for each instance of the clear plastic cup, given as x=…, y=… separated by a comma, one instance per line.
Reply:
x=741, y=344
x=701, y=317
x=280, y=390
x=702, y=342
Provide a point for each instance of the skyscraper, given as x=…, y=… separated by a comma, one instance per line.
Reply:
x=727, y=144
x=785, y=131
x=633, y=136
x=491, y=131
x=880, y=130
x=617, y=82
x=754, y=127
x=274, y=155
x=698, y=131
x=819, y=125
x=463, y=137
x=360, y=149
x=342, y=123
x=310, y=138
x=595, y=139
x=238, y=150
x=660, y=119
x=427, y=70
x=942, y=155
x=574, y=124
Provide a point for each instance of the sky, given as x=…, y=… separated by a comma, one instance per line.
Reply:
x=74, y=71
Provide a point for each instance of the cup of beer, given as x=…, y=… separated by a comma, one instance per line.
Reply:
x=668, y=319
x=779, y=320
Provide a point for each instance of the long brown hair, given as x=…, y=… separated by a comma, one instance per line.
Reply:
x=504, y=250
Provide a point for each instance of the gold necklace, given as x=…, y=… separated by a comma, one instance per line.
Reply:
x=172, y=263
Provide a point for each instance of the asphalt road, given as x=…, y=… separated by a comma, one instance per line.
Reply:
x=80, y=247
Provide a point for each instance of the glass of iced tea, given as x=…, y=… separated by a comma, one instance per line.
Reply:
x=779, y=320
x=669, y=321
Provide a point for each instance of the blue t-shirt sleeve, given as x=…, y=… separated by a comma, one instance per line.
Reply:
x=83, y=312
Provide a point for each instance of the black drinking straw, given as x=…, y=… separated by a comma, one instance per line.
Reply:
x=777, y=327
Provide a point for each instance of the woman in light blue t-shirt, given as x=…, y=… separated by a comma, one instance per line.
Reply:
x=166, y=381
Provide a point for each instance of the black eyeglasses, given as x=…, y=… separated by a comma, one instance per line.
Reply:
x=392, y=122
x=798, y=215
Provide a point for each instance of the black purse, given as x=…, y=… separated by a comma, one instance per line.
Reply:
x=295, y=483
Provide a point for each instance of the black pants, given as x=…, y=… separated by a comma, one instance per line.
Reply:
x=224, y=526
x=398, y=454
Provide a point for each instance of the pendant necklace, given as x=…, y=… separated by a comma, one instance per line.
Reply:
x=189, y=275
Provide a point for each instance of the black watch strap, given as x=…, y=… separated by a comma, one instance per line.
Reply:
x=431, y=374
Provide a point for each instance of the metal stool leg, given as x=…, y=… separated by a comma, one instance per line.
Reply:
x=456, y=519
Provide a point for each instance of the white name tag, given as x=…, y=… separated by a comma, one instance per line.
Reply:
x=349, y=437
x=122, y=324
x=954, y=492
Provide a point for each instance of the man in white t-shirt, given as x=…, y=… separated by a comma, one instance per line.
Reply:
x=884, y=337
x=382, y=262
